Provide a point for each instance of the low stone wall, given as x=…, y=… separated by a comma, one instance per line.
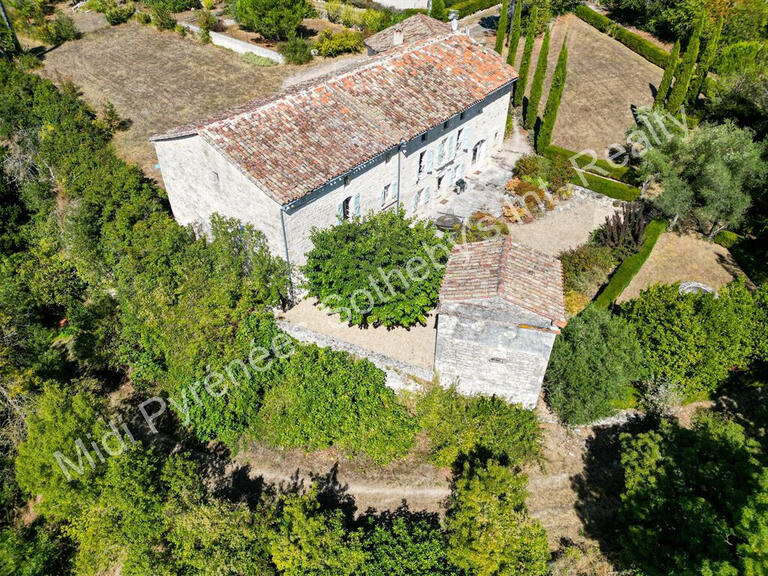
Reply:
x=398, y=373
x=219, y=39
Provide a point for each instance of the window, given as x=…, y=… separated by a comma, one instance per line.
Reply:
x=424, y=137
x=214, y=180
x=346, y=180
x=345, y=208
x=440, y=183
x=441, y=152
x=384, y=194
x=445, y=125
x=451, y=177
x=459, y=138
x=421, y=162
x=425, y=194
x=462, y=115
x=416, y=200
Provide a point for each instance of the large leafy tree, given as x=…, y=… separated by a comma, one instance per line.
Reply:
x=273, y=19
x=594, y=363
x=704, y=175
x=489, y=530
x=698, y=498
x=384, y=269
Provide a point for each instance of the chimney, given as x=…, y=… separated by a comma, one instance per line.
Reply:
x=454, y=24
x=397, y=36
x=453, y=16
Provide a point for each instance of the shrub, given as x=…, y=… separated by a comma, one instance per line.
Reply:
x=438, y=10
x=375, y=20
x=462, y=426
x=333, y=9
x=206, y=21
x=162, y=18
x=727, y=239
x=331, y=44
x=624, y=230
x=350, y=16
x=273, y=19
x=143, y=18
x=173, y=5
x=57, y=31
x=488, y=527
x=594, y=362
x=118, y=14
x=586, y=268
x=631, y=265
x=471, y=6
x=257, y=60
x=348, y=263
x=325, y=398
x=295, y=51
x=180, y=30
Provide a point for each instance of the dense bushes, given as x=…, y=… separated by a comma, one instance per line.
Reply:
x=323, y=398
x=587, y=267
x=471, y=6
x=588, y=163
x=173, y=5
x=295, y=51
x=593, y=365
x=330, y=44
x=384, y=269
x=273, y=20
x=460, y=427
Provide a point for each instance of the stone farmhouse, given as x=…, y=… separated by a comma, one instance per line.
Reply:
x=402, y=128
x=501, y=306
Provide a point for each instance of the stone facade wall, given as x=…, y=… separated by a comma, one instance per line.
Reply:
x=482, y=355
x=200, y=182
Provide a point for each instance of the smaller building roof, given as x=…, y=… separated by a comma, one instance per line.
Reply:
x=415, y=28
x=500, y=268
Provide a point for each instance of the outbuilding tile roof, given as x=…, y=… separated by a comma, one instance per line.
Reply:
x=417, y=27
x=293, y=143
x=500, y=268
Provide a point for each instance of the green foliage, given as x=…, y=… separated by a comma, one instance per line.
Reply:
x=537, y=86
x=173, y=5
x=704, y=176
x=117, y=14
x=461, y=426
x=605, y=186
x=687, y=68
x=438, y=10
x=275, y=20
x=642, y=46
x=666, y=80
x=57, y=31
x=325, y=398
x=310, y=542
x=501, y=29
x=162, y=18
x=727, y=239
x=742, y=56
x=587, y=267
x=696, y=497
x=514, y=33
x=525, y=62
x=143, y=18
x=384, y=269
x=694, y=341
x=330, y=44
x=631, y=265
x=402, y=543
x=295, y=51
x=544, y=137
x=36, y=550
x=257, y=60
x=594, y=362
x=586, y=162
x=9, y=45
x=707, y=58
x=489, y=530
x=468, y=7
x=61, y=418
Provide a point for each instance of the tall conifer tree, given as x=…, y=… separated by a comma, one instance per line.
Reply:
x=525, y=63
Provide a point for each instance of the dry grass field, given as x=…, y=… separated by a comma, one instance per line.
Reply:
x=157, y=80
x=605, y=80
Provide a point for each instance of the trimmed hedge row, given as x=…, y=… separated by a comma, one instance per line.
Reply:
x=615, y=171
x=471, y=6
x=610, y=188
x=631, y=265
x=635, y=42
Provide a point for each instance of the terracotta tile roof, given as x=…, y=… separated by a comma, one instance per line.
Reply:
x=296, y=141
x=500, y=268
x=417, y=27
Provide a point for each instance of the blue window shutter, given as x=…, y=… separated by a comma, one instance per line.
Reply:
x=467, y=138
x=384, y=191
x=393, y=189
x=416, y=199
x=429, y=161
x=356, y=201
x=340, y=212
x=452, y=146
x=426, y=195
x=460, y=171
x=440, y=152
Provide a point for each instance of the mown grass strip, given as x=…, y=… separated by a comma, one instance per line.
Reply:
x=598, y=166
x=631, y=265
x=610, y=188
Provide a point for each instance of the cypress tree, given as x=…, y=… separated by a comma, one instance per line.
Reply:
x=706, y=62
x=501, y=31
x=538, y=82
x=525, y=63
x=438, y=10
x=514, y=33
x=544, y=136
x=669, y=74
x=680, y=88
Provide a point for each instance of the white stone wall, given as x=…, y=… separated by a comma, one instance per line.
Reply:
x=200, y=182
x=481, y=355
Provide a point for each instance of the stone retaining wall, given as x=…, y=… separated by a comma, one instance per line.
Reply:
x=219, y=39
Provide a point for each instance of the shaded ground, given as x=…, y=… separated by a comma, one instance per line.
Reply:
x=605, y=80
x=684, y=258
x=157, y=80
x=415, y=346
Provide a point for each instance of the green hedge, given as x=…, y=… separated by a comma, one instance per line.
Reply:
x=471, y=6
x=631, y=265
x=615, y=171
x=611, y=188
x=728, y=239
x=634, y=42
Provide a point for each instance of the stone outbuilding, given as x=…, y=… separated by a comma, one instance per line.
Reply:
x=501, y=307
